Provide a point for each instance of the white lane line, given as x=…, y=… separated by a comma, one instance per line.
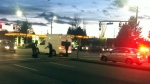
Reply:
x=16, y=59
x=25, y=67
x=61, y=64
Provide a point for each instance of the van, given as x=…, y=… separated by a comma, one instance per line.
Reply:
x=58, y=43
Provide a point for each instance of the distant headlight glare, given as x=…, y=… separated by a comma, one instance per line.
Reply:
x=15, y=47
x=6, y=47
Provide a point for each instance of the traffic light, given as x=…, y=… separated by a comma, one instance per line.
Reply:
x=120, y=24
x=100, y=25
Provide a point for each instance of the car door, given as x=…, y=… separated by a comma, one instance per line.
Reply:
x=124, y=52
x=113, y=54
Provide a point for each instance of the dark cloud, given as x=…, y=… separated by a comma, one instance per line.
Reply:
x=60, y=4
x=7, y=10
x=60, y=19
x=98, y=10
x=64, y=17
x=105, y=12
x=141, y=17
x=147, y=16
x=3, y=19
x=19, y=22
x=33, y=8
x=110, y=8
x=41, y=24
x=13, y=7
x=90, y=11
x=42, y=14
x=74, y=6
x=144, y=17
x=119, y=3
x=82, y=11
x=62, y=22
x=94, y=2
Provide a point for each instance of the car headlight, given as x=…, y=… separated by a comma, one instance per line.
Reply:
x=15, y=47
x=6, y=47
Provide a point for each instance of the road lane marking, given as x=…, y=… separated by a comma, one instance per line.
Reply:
x=61, y=64
x=19, y=59
x=25, y=67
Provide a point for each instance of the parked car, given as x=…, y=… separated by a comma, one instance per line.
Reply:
x=124, y=54
x=107, y=49
x=84, y=48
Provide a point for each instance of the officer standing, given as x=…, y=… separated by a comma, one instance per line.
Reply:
x=33, y=46
x=50, y=49
x=67, y=44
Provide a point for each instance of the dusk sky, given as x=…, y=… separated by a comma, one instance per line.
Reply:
x=38, y=14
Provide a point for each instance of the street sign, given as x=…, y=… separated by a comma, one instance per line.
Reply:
x=110, y=23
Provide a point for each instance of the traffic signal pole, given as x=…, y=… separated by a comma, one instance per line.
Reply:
x=110, y=22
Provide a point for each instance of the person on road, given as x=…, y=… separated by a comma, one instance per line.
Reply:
x=50, y=49
x=33, y=46
x=67, y=44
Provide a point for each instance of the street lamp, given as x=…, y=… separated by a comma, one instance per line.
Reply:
x=19, y=13
x=53, y=18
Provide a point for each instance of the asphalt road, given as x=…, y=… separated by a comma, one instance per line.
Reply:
x=21, y=68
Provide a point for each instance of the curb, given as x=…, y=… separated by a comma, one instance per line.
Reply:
x=139, y=67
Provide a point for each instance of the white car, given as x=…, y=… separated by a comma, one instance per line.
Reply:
x=123, y=54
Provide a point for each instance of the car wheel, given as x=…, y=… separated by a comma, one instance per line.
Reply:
x=129, y=61
x=103, y=58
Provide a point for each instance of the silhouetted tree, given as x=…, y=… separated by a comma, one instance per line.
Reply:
x=69, y=30
x=2, y=34
x=129, y=34
x=76, y=21
x=24, y=27
x=76, y=31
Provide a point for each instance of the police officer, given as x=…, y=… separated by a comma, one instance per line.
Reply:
x=67, y=44
x=33, y=46
x=50, y=49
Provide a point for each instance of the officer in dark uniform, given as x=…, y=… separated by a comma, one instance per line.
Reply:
x=33, y=46
x=50, y=49
x=67, y=44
